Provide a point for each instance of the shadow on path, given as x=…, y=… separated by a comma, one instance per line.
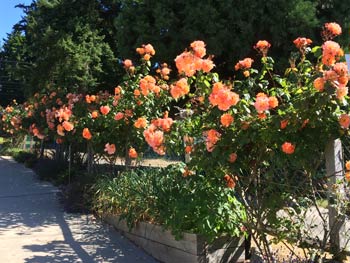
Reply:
x=32, y=223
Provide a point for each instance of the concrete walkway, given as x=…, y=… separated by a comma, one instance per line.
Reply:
x=35, y=229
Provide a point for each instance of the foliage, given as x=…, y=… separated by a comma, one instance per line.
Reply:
x=76, y=45
x=255, y=140
x=25, y=157
x=163, y=196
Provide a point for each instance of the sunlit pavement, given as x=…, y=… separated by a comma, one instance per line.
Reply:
x=34, y=227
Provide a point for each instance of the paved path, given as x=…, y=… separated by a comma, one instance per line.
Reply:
x=34, y=228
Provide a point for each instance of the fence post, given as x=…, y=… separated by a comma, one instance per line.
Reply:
x=335, y=172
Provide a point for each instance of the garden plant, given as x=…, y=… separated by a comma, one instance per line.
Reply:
x=254, y=142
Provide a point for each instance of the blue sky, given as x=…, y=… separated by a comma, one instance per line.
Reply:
x=9, y=15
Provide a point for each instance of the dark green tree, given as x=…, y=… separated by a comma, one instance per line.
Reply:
x=13, y=68
x=67, y=47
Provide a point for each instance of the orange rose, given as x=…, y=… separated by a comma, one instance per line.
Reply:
x=132, y=153
x=86, y=134
x=288, y=148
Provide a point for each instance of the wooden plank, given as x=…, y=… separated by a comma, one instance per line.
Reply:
x=162, y=252
x=162, y=245
x=335, y=172
x=157, y=233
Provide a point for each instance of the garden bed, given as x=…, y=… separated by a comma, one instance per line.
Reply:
x=163, y=246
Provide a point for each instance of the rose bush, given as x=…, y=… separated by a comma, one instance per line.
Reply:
x=260, y=134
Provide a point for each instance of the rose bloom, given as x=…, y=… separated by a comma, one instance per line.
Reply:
x=119, y=116
x=262, y=115
x=330, y=75
x=347, y=165
x=137, y=93
x=127, y=63
x=347, y=176
x=226, y=119
x=232, y=157
x=333, y=28
x=198, y=48
x=94, y=114
x=132, y=153
x=262, y=102
x=140, y=123
x=180, y=89
x=207, y=65
x=212, y=137
x=188, y=63
x=93, y=98
x=60, y=130
x=342, y=91
x=147, y=84
x=154, y=137
x=330, y=52
x=110, y=148
x=230, y=182
x=341, y=69
x=284, y=124
x=288, y=148
x=68, y=126
x=262, y=46
x=117, y=90
x=149, y=49
x=188, y=149
x=319, y=84
x=344, y=121
x=165, y=123
x=222, y=97
x=302, y=42
x=244, y=64
x=273, y=102
x=105, y=109
x=86, y=134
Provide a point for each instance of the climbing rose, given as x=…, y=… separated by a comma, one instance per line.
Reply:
x=262, y=46
x=347, y=165
x=347, y=176
x=132, y=153
x=68, y=126
x=140, y=123
x=223, y=97
x=110, y=148
x=288, y=148
x=86, y=134
x=262, y=102
x=94, y=114
x=226, y=119
x=331, y=30
x=230, y=182
x=180, y=88
x=302, y=42
x=284, y=124
x=105, y=109
x=119, y=116
x=344, y=121
x=331, y=51
x=127, y=63
x=244, y=64
x=198, y=48
x=232, y=157
x=319, y=84
x=212, y=137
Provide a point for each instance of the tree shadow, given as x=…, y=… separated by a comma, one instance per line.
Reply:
x=28, y=206
x=86, y=241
